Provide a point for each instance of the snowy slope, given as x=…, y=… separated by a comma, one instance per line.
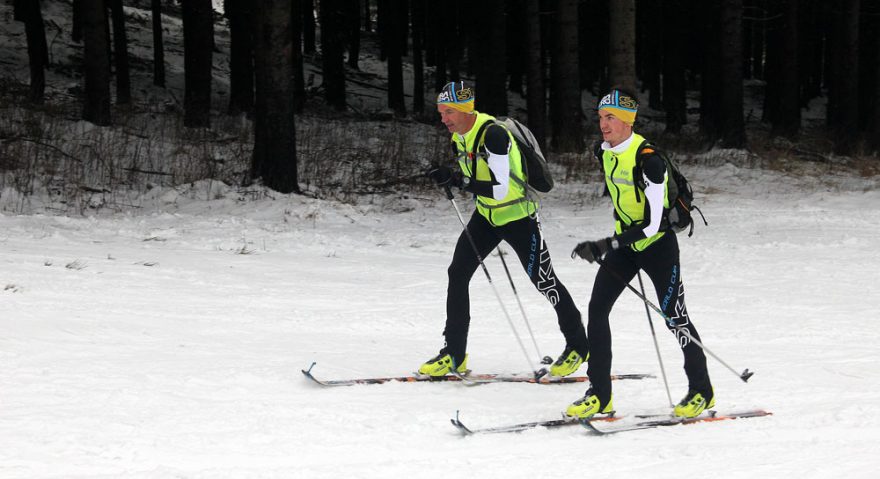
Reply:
x=167, y=342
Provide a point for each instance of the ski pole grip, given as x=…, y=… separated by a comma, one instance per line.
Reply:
x=449, y=195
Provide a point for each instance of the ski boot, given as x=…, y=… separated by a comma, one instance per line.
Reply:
x=568, y=363
x=443, y=364
x=694, y=403
x=589, y=405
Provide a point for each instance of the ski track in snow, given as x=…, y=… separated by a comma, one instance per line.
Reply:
x=168, y=342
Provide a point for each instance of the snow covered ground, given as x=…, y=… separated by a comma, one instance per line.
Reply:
x=167, y=342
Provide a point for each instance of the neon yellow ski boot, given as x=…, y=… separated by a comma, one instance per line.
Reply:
x=442, y=364
x=589, y=405
x=694, y=403
x=568, y=363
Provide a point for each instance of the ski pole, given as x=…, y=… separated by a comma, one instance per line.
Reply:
x=545, y=359
x=744, y=376
x=470, y=238
x=656, y=346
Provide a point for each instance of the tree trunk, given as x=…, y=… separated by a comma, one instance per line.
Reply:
x=299, y=81
x=537, y=94
x=158, y=46
x=28, y=12
x=198, y=47
x=516, y=60
x=274, y=156
x=788, y=115
x=710, y=71
x=844, y=94
x=565, y=97
x=353, y=32
x=332, y=17
x=120, y=53
x=622, y=59
x=417, y=9
x=674, y=51
x=396, y=11
x=652, y=49
x=491, y=69
x=76, y=30
x=733, y=133
x=368, y=22
x=308, y=25
x=96, y=108
x=759, y=31
x=241, y=56
x=874, y=131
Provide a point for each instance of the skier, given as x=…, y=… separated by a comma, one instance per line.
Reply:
x=637, y=187
x=503, y=212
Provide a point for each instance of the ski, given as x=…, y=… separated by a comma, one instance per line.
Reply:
x=712, y=416
x=467, y=378
x=547, y=423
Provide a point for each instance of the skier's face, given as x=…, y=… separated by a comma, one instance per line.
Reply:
x=454, y=120
x=613, y=129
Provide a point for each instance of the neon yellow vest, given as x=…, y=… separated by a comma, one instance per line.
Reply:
x=628, y=198
x=515, y=205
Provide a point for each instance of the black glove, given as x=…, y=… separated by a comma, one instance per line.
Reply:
x=439, y=174
x=443, y=176
x=594, y=250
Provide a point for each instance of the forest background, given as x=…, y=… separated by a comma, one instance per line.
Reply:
x=334, y=98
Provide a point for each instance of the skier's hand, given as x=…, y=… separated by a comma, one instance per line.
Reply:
x=593, y=250
x=441, y=175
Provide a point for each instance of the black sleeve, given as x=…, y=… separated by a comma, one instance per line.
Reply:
x=654, y=168
x=496, y=140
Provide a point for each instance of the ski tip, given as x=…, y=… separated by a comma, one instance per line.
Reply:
x=746, y=375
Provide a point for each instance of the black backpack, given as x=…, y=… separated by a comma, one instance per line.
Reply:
x=535, y=167
x=681, y=196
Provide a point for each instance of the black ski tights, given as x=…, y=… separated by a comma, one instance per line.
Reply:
x=524, y=236
x=661, y=263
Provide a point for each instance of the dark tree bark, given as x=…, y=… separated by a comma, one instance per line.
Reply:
x=353, y=32
x=28, y=12
x=96, y=107
x=759, y=31
x=368, y=22
x=622, y=58
x=417, y=13
x=274, y=156
x=843, y=104
x=773, y=31
x=566, y=117
x=811, y=48
x=651, y=50
x=76, y=30
x=787, y=121
x=158, y=45
x=516, y=60
x=733, y=133
x=491, y=67
x=241, y=55
x=198, y=47
x=710, y=69
x=874, y=123
x=332, y=17
x=120, y=53
x=308, y=25
x=674, y=51
x=536, y=93
x=299, y=81
x=395, y=22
